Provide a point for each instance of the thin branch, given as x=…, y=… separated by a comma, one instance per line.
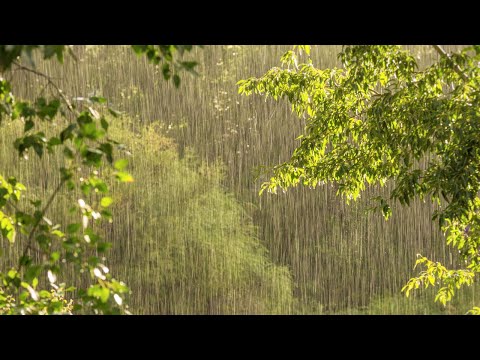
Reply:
x=50, y=82
x=37, y=250
x=12, y=205
x=37, y=222
x=455, y=66
x=24, y=68
x=43, y=89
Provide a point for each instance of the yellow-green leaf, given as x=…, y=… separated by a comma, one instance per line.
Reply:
x=106, y=202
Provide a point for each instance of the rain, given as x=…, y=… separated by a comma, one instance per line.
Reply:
x=191, y=235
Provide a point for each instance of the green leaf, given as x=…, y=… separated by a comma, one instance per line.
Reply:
x=32, y=272
x=121, y=164
x=189, y=65
x=12, y=273
x=100, y=186
x=54, y=141
x=98, y=99
x=106, y=202
x=104, y=123
x=25, y=260
x=103, y=246
x=166, y=71
x=99, y=292
x=139, y=49
x=386, y=211
x=176, y=80
x=58, y=233
x=54, y=256
x=7, y=227
x=67, y=133
x=44, y=294
x=29, y=124
x=107, y=214
x=114, y=113
x=107, y=149
x=38, y=149
x=124, y=177
x=73, y=228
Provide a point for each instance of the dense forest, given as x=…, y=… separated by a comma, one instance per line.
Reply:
x=189, y=232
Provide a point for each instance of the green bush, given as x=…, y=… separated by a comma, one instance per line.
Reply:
x=194, y=249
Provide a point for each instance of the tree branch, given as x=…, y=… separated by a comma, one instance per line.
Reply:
x=50, y=82
x=12, y=205
x=37, y=222
x=456, y=68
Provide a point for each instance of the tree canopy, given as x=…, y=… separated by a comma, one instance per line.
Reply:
x=373, y=120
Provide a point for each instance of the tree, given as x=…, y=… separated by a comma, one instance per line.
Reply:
x=198, y=252
x=32, y=284
x=372, y=121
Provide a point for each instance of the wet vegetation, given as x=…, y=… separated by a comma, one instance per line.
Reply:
x=191, y=235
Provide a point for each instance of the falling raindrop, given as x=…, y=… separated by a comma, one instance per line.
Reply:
x=191, y=235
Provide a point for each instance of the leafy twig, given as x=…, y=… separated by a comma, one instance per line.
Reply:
x=38, y=220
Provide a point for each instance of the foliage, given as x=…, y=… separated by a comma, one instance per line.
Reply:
x=419, y=303
x=374, y=120
x=80, y=135
x=165, y=54
x=196, y=249
x=10, y=53
x=156, y=54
